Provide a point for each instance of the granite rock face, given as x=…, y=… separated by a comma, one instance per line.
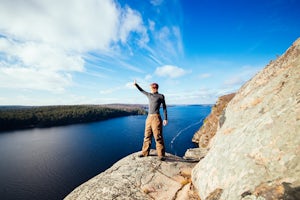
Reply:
x=141, y=178
x=209, y=128
x=256, y=152
x=212, y=121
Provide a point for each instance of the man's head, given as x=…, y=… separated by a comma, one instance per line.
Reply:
x=154, y=87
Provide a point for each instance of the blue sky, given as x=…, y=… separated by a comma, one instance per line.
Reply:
x=90, y=52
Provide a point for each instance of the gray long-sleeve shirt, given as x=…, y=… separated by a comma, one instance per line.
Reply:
x=155, y=100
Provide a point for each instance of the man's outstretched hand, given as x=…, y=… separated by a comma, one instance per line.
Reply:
x=134, y=82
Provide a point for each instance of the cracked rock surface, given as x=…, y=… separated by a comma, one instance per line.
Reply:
x=140, y=178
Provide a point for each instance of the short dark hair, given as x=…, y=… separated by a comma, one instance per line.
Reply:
x=154, y=85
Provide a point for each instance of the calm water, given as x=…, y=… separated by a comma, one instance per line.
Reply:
x=49, y=163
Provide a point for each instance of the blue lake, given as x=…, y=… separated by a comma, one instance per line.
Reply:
x=49, y=163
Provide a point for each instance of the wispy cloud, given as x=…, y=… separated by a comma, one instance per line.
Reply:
x=156, y=2
x=198, y=96
x=243, y=75
x=205, y=75
x=128, y=85
x=132, y=21
x=110, y=90
x=170, y=71
x=234, y=80
x=148, y=77
x=168, y=39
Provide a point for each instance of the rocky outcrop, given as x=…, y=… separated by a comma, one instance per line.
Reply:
x=209, y=128
x=195, y=153
x=212, y=121
x=254, y=149
x=141, y=178
x=256, y=152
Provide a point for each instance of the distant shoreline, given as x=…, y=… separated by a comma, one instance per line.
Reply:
x=27, y=117
x=17, y=117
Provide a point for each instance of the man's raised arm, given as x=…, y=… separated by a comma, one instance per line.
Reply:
x=139, y=88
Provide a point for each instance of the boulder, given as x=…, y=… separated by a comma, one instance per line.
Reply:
x=255, y=154
x=195, y=153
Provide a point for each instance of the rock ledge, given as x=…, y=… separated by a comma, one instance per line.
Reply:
x=141, y=178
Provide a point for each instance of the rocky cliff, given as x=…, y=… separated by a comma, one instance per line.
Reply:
x=256, y=153
x=212, y=122
x=209, y=128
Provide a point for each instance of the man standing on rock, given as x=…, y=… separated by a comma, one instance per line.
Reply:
x=154, y=122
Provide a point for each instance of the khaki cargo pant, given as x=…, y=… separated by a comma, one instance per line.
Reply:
x=153, y=126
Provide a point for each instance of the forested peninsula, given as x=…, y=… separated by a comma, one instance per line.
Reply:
x=23, y=117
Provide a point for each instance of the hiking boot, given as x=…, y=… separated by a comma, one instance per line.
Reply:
x=141, y=155
x=161, y=158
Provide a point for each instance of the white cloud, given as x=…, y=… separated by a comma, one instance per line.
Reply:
x=40, y=55
x=30, y=78
x=43, y=42
x=167, y=42
x=151, y=25
x=178, y=38
x=70, y=24
x=132, y=21
x=205, y=75
x=148, y=77
x=164, y=33
x=156, y=2
x=170, y=71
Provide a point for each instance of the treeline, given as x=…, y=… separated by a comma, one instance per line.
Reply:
x=22, y=117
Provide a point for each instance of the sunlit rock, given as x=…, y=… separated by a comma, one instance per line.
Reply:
x=255, y=154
